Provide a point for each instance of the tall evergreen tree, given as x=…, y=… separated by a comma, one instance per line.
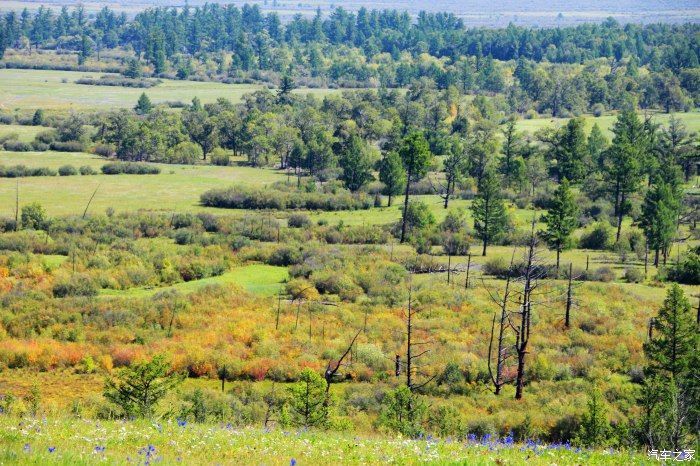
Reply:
x=416, y=158
x=392, y=174
x=674, y=343
x=488, y=210
x=561, y=218
x=659, y=217
x=144, y=105
x=624, y=162
x=356, y=163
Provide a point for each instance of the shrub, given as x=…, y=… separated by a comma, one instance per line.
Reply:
x=67, y=170
x=77, y=285
x=299, y=221
x=6, y=119
x=19, y=171
x=220, y=157
x=238, y=197
x=598, y=109
x=184, y=153
x=687, y=271
x=17, y=146
x=598, y=236
x=634, y=275
x=87, y=170
x=129, y=168
x=47, y=137
x=105, y=150
x=34, y=217
x=39, y=146
x=67, y=146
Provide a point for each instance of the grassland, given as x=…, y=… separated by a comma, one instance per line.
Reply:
x=259, y=279
x=57, y=90
x=23, y=133
x=605, y=122
x=76, y=441
x=177, y=187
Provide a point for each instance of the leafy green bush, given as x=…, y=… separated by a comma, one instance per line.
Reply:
x=129, y=168
x=67, y=146
x=238, y=197
x=686, y=271
x=183, y=153
x=77, y=285
x=598, y=236
x=67, y=170
x=87, y=170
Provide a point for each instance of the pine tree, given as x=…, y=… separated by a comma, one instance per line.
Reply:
x=144, y=105
x=659, y=217
x=488, y=210
x=624, y=162
x=416, y=157
x=672, y=348
x=597, y=144
x=572, y=152
x=356, y=164
x=392, y=174
x=285, y=89
x=133, y=69
x=561, y=219
x=595, y=428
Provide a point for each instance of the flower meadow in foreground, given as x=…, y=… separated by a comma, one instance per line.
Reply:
x=71, y=441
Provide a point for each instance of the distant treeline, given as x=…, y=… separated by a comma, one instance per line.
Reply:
x=343, y=46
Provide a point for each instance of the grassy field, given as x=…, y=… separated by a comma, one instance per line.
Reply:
x=76, y=441
x=690, y=119
x=57, y=90
x=177, y=187
x=259, y=279
x=24, y=133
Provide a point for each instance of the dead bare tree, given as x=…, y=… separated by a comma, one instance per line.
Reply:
x=333, y=367
x=503, y=323
x=532, y=273
x=567, y=317
x=411, y=355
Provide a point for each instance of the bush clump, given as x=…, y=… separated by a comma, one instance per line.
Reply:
x=67, y=170
x=67, y=146
x=21, y=171
x=238, y=197
x=129, y=168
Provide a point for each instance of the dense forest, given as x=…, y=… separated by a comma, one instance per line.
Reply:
x=571, y=69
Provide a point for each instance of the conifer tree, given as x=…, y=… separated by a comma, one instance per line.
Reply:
x=392, y=174
x=416, y=157
x=144, y=105
x=561, y=219
x=488, y=210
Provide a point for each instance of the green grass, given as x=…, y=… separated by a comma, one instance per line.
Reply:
x=24, y=133
x=31, y=89
x=74, y=441
x=690, y=119
x=262, y=280
x=177, y=187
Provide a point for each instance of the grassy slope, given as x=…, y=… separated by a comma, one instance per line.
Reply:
x=24, y=133
x=75, y=442
x=31, y=89
x=177, y=187
x=263, y=280
x=691, y=121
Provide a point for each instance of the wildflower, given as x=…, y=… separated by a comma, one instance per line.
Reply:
x=181, y=422
x=293, y=462
x=52, y=449
x=99, y=449
x=27, y=448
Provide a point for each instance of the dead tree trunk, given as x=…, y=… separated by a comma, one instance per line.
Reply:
x=567, y=318
x=523, y=332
